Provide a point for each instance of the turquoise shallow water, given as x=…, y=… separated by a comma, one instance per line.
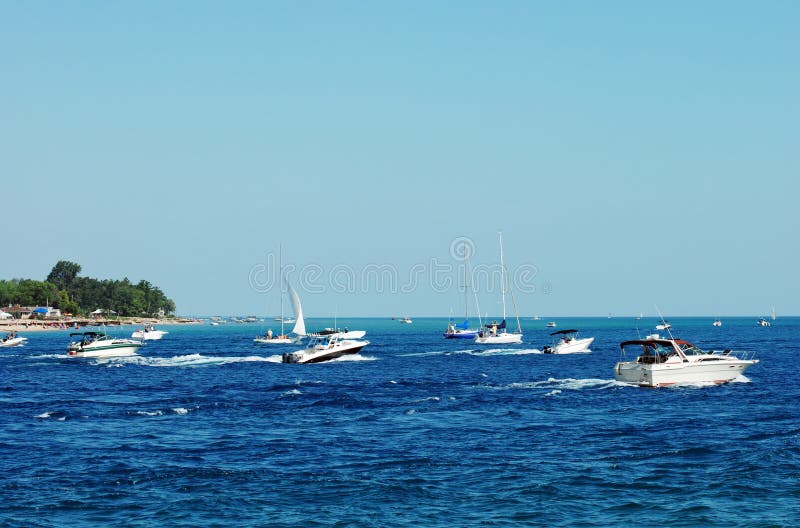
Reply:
x=206, y=428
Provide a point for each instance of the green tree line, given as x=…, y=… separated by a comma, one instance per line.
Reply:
x=64, y=289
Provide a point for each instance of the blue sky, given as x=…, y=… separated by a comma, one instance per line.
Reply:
x=632, y=153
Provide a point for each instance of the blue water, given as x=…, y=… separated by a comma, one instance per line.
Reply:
x=208, y=429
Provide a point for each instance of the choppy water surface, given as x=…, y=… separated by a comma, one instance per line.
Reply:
x=207, y=428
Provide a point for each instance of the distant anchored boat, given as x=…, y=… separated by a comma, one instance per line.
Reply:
x=496, y=333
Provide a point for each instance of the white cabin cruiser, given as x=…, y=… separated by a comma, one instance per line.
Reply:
x=663, y=362
x=11, y=339
x=324, y=348
x=149, y=333
x=568, y=343
x=96, y=344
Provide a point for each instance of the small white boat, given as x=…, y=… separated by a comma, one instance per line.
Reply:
x=717, y=322
x=664, y=362
x=149, y=333
x=568, y=343
x=551, y=324
x=96, y=344
x=763, y=322
x=12, y=340
x=324, y=348
x=495, y=333
x=404, y=320
x=299, y=329
x=663, y=326
x=343, y=334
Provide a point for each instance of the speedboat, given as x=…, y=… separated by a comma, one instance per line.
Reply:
x=149, y=333
x=460, y=331
x=717, y=322
x=324, y=348
x=568, y=343
x=662, y=362
x=405, y=320
x=663, y=326
x=763, y=322
x=97, y=344
x=11, y=340
x=551, y=324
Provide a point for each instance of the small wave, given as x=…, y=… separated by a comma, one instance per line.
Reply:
x=56, y=415
x=564, y=384
x=180, y=410
x=149, y=413
x=293, y=392
x=429, y=398
x=501, y=352
x=553, y=392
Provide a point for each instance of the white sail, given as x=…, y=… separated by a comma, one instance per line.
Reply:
x=300, y=325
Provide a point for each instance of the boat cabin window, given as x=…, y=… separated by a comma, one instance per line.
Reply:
x=691, y=350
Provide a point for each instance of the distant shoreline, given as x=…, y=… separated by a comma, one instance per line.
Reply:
x=36, y=325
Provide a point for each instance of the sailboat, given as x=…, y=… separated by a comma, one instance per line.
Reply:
x=462, y=330
x=494, y=332
x=299, y=329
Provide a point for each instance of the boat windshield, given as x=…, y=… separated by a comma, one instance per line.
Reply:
x=691, y=350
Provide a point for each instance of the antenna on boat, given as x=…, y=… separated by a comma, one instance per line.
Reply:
x=667, y=326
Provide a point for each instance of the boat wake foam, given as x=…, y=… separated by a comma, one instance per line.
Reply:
x=557, y=385
x=189, y=360
x=501, y=352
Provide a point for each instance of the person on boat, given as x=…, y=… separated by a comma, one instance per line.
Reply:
x=269, y=333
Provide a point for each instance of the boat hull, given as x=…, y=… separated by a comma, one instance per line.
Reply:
x=666, y=374
x=499, y=339
x=321, y=354
x=576, y=346
x=275, y=341
x=152, y=335
x=17, y=341
x=461, y=334
x=110, y=350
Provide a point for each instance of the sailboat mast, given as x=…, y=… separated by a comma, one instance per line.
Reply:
x=466, y=291
x=502, y=275
x=280, y=287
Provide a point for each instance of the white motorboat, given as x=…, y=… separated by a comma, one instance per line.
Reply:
x=567, y=342
x=763, y=322
x=11, y=339
x=96, y=344
x=495, y=333
x=324, y=348
x=717, y=322
x=663, y=326
x=662, y=362
x=404, y=320
x=149, y=333
x=551, y=324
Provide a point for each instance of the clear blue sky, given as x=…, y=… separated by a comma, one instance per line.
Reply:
x=633, y=152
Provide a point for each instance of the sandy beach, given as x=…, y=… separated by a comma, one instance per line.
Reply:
x=27, y=325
